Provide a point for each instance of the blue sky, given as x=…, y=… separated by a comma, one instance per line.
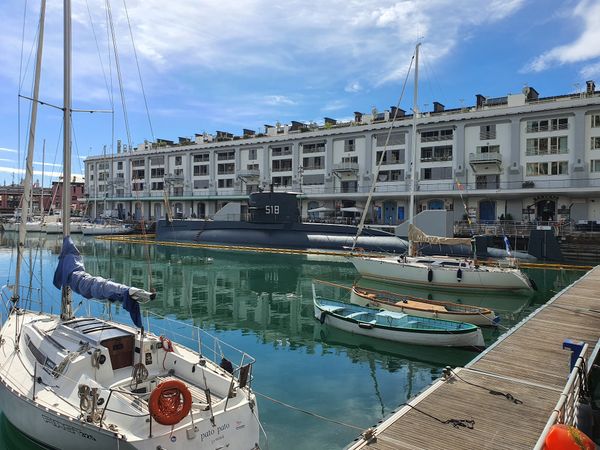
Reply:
x=230, y=65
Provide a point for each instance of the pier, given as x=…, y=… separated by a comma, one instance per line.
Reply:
x=504, y=398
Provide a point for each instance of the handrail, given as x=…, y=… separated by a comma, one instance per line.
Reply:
x=565, y=411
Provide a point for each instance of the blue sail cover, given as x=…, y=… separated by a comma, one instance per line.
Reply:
x=71, y=272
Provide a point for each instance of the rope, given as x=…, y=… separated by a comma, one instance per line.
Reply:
x=456, y=423
x=447, y=371
x=310, y=413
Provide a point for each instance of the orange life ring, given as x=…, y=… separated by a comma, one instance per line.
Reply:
x=170, y=402
x=566, y=437
x=166, y=343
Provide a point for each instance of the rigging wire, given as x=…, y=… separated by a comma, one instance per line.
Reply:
x=139, y=71
x=383, y=154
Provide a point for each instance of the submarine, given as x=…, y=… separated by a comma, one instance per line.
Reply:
x=273, y=220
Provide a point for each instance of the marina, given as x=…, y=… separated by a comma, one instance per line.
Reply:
x=262, y=302
x=510, y=391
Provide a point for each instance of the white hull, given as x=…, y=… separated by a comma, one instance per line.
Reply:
x=99, y=230
x=54, y=418
x=30, y=227
x=471, y=339
x=411, y=272
x=434, y=313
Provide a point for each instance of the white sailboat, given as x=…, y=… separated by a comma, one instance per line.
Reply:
x=434, y=271
x=75, y=383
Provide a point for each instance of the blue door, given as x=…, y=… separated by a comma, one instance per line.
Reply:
x=435, y=204
x=390, y=213
x=487, y=211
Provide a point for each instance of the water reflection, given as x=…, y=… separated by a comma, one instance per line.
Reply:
x=262, y=303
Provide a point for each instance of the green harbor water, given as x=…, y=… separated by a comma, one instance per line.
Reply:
x=261, y=303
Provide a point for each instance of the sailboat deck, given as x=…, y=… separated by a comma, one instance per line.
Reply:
x=529, y=363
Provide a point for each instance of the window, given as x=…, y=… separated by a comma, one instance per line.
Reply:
x=281, y=165
x=157, y=160
x=595, y=143
x=488, y=149
x=309, y=180
x=547, y=146
x=437, y=135
x=252, y=154
x=350, y=159
x=436, y=173
x=349, y=145
x=252, y=167
x=535, y=126
x=317, y=147
x=559, y=124
x=157, y=186
x=137, y=163
x=282, y=181
x=202, y=157
x=487, y=132
x=157, y=173
x=225, y=156
x=226, y=169
x=595, y=165
x=547, y=168
x=596, y=121
x=201, y=170
x=391, y=157
x=225, y=182
x=178, y=160
x=137, y=186
x=395, y=139
x=121, y=176
x=138, y=174
x=438, y=153
x=386, y=176
x=178, y=172
x=313, y=163
x=120, y=165
x=281, y=151
x=200, y=184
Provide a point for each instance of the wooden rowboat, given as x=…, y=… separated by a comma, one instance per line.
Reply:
x=423, y=307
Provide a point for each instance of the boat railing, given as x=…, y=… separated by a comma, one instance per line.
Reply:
x=565, y=411
x=28, y=296
x=196, y=339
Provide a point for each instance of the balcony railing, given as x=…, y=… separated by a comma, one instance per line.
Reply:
x=400, y=187
x=485, y=157
x=249, y=173
x=346, y=167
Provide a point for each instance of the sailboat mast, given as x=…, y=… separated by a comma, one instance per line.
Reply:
x=413, y=162
x=66, y=310
x=28, y=181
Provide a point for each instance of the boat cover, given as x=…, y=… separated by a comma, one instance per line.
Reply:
x=415, y=234
x=71, y=272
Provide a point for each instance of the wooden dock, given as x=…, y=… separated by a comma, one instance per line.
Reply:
x=528, y=363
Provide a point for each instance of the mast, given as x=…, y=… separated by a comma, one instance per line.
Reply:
x=66, y=310
x=43, y=170
x=413, y=162
x=28, y=181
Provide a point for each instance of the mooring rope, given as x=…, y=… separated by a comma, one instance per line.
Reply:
x=448, y=371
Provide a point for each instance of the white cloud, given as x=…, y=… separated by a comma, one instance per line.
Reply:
x=35, y=172
x=278, y=100
x=334, y=105
x=353, y=86
x=584, y=48
x=9, y=150
x=591, y=71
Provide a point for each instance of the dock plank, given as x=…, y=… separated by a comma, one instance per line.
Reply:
x=528, y=363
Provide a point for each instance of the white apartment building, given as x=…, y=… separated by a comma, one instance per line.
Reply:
x=519, y=157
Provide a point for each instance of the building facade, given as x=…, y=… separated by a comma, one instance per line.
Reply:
x=520, y=157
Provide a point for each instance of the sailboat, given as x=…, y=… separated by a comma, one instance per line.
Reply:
x=434, y=271
x=74, y=383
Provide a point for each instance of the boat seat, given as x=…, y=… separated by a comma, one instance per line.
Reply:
x=356, y=315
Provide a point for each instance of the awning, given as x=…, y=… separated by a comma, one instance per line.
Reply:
x=321, y=209
x=352, y=209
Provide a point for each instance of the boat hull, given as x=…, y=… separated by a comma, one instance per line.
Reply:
x=397, y=271
x=467, y=338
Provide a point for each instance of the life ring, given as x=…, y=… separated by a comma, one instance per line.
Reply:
x=170, y=402
x=166, y=343
x=566, y=437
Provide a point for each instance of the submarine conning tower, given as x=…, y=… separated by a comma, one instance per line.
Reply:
x=274, y=207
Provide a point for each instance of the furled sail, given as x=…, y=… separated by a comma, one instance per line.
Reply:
x=415, y=234
x=71, y=272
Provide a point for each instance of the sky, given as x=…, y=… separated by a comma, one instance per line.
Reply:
x=228, y=65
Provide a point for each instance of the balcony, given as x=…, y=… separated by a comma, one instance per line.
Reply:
x=346, y=167
x=249, y=173
x=485, y=162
